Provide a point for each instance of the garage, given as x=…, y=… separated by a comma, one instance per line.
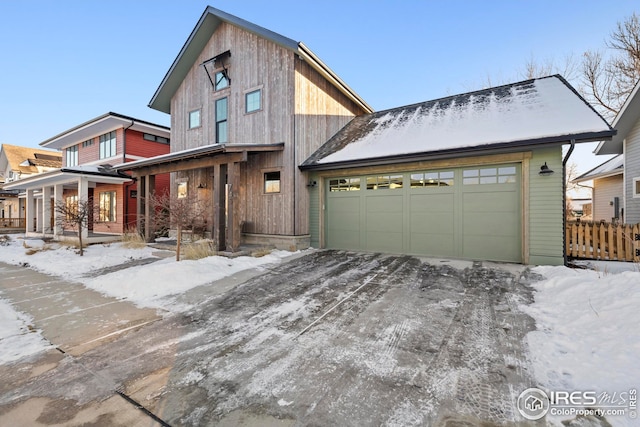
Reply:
x=470, y=212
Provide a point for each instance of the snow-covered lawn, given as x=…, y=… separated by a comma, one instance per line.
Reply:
x=18, y=339
x=588, y=330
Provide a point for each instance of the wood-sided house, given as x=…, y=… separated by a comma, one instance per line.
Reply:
x=247, y=107
x=89, y=151
x=289, y=155
x=626, y=143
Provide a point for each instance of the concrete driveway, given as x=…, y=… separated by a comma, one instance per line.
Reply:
x=331, y=338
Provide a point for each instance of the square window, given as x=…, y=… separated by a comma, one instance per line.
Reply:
x=194, y=119
x=272, y=182
x=636, y=187
x=253, y=101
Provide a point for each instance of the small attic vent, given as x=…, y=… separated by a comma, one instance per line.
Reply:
x=41, y=156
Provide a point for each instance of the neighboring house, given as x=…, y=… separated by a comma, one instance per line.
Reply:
x=20, y=162
x=465, y=176
x=247, y=107
x=608, y=189
x=627, y=143
x=89, y=151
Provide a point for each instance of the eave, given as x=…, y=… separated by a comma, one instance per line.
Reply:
x=505, y=147
x=64, y=176
x=200, y=36
x=624, y=122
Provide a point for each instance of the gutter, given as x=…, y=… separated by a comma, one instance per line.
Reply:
x=564, y=200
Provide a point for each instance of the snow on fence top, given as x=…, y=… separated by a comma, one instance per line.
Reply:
x=532, y=110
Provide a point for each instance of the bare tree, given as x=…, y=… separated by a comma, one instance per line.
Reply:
x=609, y=79
x=180, y=213
x=568, y=67
x=74, y=215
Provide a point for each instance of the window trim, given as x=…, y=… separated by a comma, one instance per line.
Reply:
x=218, y=122
x=113, y=212
x=102, y=145
x=215, y=80
x=264, y=181
x=259, y=89
x=199, y=111
x=636, y=183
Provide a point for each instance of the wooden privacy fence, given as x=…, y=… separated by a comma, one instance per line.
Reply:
x=593, y=240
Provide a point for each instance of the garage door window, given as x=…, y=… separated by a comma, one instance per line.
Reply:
x=504, y=175
x=384, y=182
x=344, y=184
x=431, y=179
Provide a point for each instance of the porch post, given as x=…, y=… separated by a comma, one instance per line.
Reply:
x=57, y=196
x=47, y=226
x=83, y=197
x=149, y=187
x=30, y=212
x=233, y=208
x=219, y=181
x=141, y=205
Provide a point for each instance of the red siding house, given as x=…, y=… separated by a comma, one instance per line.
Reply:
x=89, y=151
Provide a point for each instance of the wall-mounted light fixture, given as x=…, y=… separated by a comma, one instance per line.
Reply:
x=544, y=170
x=201, y=186
x=312, y=184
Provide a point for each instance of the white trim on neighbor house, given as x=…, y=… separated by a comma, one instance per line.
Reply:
x=636, y=187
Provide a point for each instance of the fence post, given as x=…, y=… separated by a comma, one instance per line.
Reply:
x=587, y=241
x=574, y=240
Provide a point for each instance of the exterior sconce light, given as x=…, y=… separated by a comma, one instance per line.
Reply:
x=312, y=184
x=201, y=186
x=544, y=170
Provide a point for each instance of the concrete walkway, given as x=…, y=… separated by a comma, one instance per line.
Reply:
x=73, y=318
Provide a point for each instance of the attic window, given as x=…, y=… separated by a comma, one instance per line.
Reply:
x=217, y=69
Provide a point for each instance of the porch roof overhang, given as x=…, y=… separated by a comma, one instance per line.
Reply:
x=186, y=159
x=67, y=176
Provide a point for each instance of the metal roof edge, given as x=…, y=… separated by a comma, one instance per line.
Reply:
x=460, y=151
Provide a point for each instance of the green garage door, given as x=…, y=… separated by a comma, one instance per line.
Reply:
x=472, y=213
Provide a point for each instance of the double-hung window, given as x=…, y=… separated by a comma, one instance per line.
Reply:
x=108, y=145
x=222, y=114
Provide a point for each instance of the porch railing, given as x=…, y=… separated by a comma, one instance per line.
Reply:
x=12, y=223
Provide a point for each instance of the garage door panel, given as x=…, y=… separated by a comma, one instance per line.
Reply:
x=432, y=203
x=490, y=202
x=433, y=244
x=343, y=222
x=344, y=239
x=384, y=222
x=385, y=204
x=490, y=223
x=491, y=247
x=384, y=241
x=432, y=223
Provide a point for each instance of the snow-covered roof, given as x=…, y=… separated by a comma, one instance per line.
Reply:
x=613, y=166
x=544, y=110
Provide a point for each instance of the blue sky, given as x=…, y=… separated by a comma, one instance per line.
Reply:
x=65, y=62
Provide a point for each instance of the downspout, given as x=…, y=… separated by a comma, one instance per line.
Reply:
x=564, y=200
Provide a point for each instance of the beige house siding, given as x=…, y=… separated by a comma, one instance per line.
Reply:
x=604, y=192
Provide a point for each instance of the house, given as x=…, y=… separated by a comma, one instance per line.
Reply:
x=468, y=176
x=89, y=151
x=608, y=189
x=626, y=143
x=20, y=162
x=247, y=107
x=291, y=156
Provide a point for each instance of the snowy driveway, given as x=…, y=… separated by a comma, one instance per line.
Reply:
x=330, y=338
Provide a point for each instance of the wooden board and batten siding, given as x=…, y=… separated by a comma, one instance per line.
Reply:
x=299, y=107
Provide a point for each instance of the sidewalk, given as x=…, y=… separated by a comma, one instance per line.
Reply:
x=74, y=320
x=71, y=317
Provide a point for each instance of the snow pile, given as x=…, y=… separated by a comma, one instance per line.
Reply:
x=17, y=338
x=148, y=285
x=588, y=334
x=548, y=108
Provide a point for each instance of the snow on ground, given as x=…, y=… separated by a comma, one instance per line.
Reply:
x=588, y=334
x=17, y=338
x=148, y=285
